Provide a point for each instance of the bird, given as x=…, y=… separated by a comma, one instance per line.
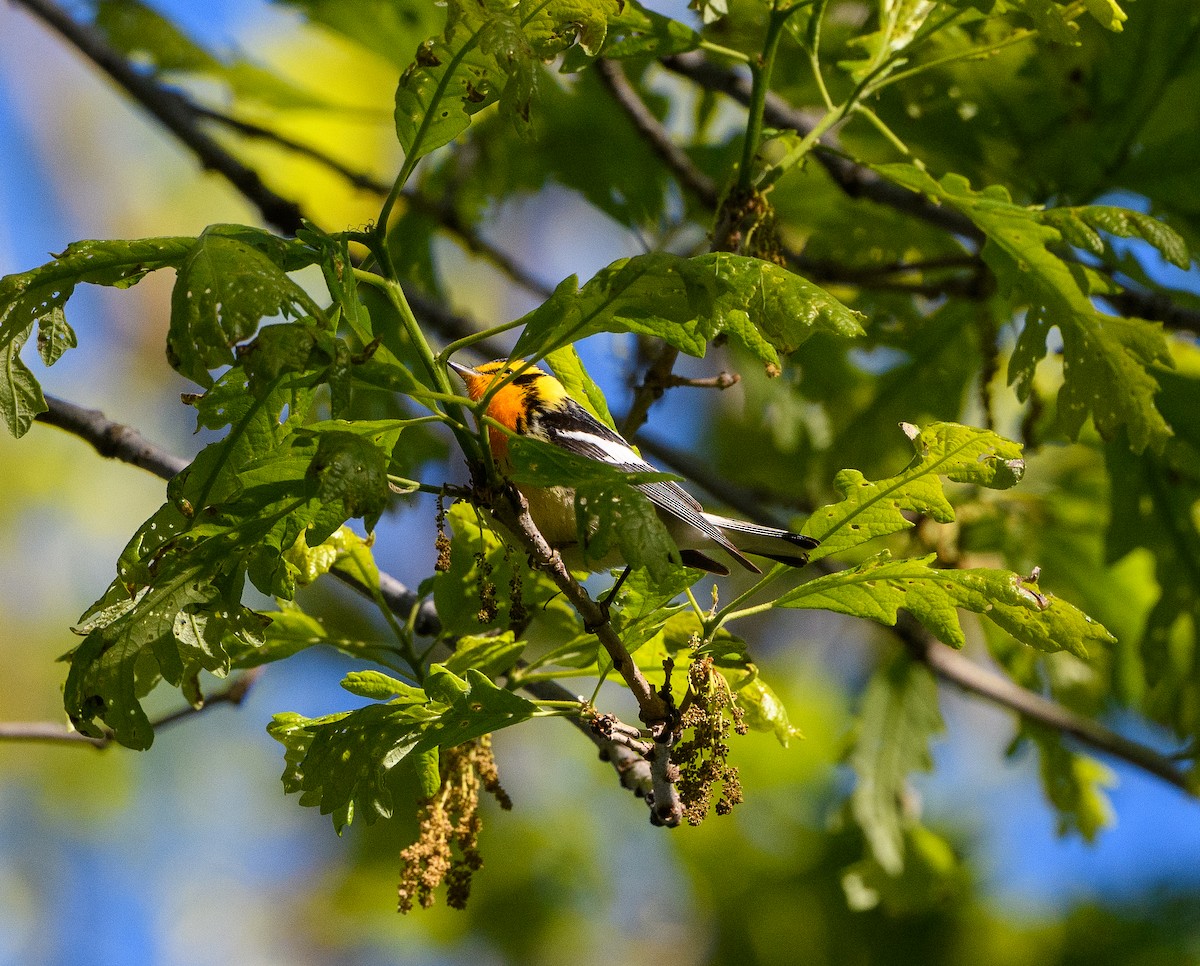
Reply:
x=535, y=404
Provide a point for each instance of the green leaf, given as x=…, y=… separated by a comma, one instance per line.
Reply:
x=636, y=31
x=1107, y=13
x=225, y=287
x=932, y=877
x=55, y=336
x=874, y=509
x=899, y=22
x=763, y=711
x=878, y=587
x=478, y=556
x=37, y=294
x=341, y=762
x=568, y=367
x=610, y=512
x=352, y=470
x=1081, y=227
x=21, y=397
x=168, y=629
x=289, y=632
x=1108, y=361
x=343, y=549
x=1074, y=784
x=688, y=302
x=382, y=687
x=490, y=655
x=899, y=716
x=489, y=52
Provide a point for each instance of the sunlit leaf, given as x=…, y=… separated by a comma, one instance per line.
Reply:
x=341, y=762
x=874, y=509
x=688, y=302
x=899, y=717
x=877, y=588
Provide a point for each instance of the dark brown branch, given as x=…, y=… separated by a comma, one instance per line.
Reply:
x=442, y=212
x=110, y=439
x=946, y=663
x=359, y=179
x=858, y=181
x=955, y=668
x=612, y=75
x=50, y=731
x=653, y=385
x=447, y=216
x=172, y=111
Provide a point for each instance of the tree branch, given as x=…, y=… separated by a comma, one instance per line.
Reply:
x=612, y=75
x=656, y=381
x=51, y=731
x=172, y=111
x=955, y=668
x=855, y=180
x=359, y=179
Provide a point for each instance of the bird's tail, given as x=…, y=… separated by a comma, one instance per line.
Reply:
x=782, y=546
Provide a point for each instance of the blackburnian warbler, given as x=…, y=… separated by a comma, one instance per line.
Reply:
x=537, y=405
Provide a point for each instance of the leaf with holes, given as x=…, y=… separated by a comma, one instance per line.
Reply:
x=1109, y=362
x=341, y=762
x=689, y=302
x=20, y=395
x=35, y=295
x=489, y=52
x=225, y=287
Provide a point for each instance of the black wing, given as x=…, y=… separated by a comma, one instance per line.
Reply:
x=576, y=430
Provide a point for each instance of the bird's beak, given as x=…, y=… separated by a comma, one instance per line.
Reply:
x=462, y=370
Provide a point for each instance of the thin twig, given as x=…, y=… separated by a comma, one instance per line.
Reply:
x=722, y=380
x=172, y=112
x=612, y=76
x=51, y=731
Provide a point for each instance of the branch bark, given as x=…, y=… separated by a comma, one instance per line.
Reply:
x=612, y=75
x=854, y=180
x=52, y=731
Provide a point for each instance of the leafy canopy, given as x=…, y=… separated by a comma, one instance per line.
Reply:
x=905, y=273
